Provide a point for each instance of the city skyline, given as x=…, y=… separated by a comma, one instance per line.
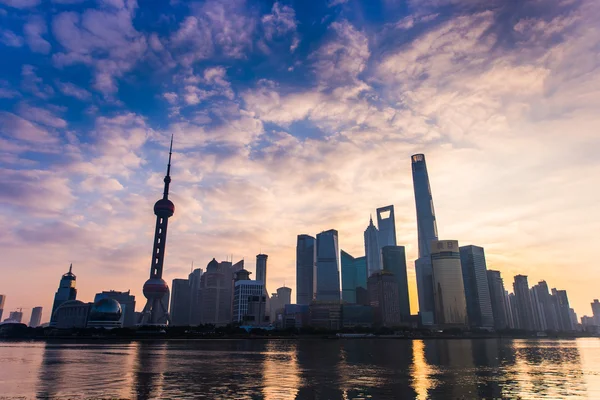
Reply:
x=316, y=138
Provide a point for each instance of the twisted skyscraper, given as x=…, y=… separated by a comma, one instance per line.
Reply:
x=155, y=288
x=427, y=232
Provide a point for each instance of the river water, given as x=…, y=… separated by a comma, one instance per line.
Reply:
x=303, y=369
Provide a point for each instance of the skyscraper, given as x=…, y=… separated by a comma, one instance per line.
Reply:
x=544, y=298
x=328, y=270
x=394, y=262
x=595, y=311
x=306, y=257
x=448, y=287
x=477, y=291
x=561, y=303
x=354, y=275
x=155, y=288
x=66, y=291
x=2, y=300
x=383, y=297
x=261, y=268
x=386, y=223
x=36, y=317
x=127, y=302
x=216, y=293
x=524, y=306
x=194, y=282
x=180, y=302
x=372, y=248
x=244, y=291
x=16, y=316
x=497, y=299
x=427, y=232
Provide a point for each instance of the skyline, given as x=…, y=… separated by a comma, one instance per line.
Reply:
x=259, y=162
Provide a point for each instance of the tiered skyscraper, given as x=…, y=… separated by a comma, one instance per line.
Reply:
x=427, y=232
x=156, y=289
x=372, y=248
x=66, y=291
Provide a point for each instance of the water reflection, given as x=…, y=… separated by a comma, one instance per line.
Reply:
x=281, y=375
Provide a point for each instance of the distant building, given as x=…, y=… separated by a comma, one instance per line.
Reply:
x=2, y=301
x=448, y=287
x=394, y=261
x=383, y=295
x=16, y=316
x=180, y=302
x=328, y=267
x=595, y=311
x=372, y=248
x=561, y=304
x=257, y=311
x=356, y=315
x=246, y=291
x=66, y=291
x=295, y=316
x=386, y=225
x=36, y=317
x=216, y=294
x=497, y=299
x=524, y=307
x=511, y=301
x=72, y=314
x=325, y=315
x=354, y=275
x=306, y=258
x=194, y=282
x=362, y=296
x=574, y=319
x=105, y=313
x=261, y=268
x=545, y=308
x=278, y=302
x=538, y=309
x=127, y=303
x=477, y=291
x=427, y=232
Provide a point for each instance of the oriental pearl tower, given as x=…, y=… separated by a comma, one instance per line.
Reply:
x=155, y=288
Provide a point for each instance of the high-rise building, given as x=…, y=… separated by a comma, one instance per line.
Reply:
x=156, y=289
x=477, y=291
x=448, y=288
x=497, y=299
x=284, y=296
x=216, y=293
x=127, y=303
x=261, y=268
x=372, y=248
x=386, y=223
x=543, y=297
x=427, y=232
x=244, y=291
x=36, y=317
x=180, y=302
x=328, y=270
x=306, y=257
x=194, y=282
x=539, y=316
x=525, y=314
x=16, y=316
x=66, y=291
x=383, y=296
x=354, y=275
x=278, y=302
x=513, y=313
x=394, y=262
x=561, y=304
x=2, y=301
x=595, y=311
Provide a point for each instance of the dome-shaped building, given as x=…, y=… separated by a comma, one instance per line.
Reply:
x=105, y=313
x=71, y=314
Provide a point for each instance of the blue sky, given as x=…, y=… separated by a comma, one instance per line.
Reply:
x=294, y=117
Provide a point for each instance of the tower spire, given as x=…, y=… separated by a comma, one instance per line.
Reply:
x=71, y=268
x=168, y=176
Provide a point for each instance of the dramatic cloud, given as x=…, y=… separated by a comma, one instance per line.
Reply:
x=34, y=29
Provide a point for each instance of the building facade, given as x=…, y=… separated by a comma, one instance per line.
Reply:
x=36, y=317
x=477, y=291
x=354, y=275
x=127, y=302
x=66, y=291
x=372, y=248
x=2, y=301
x=306, y=258
x=545, y=306
x=596, y=312
x=194, y=281
x=244, y=292
x=216, y=294
x=383, y=296
x=561, y=304
x=497, y=299
x=524, y=306
x=328, y=270
x=386, y=224
x=394, y=262
x=448, y=288
x=325, y=315
x=180, y=302
x=261, y=268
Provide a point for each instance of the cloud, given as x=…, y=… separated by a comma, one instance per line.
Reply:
x=281, y=22
x=21, y=4
x=22, y=129
x=69, y=89
x=171, y=97
x=40, y=115
x=34, y=29
x=9, y=38
x=6, y=92
x=34, y=84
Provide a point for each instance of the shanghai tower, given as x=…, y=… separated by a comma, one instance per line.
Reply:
x=155, y=288
x=427, y=232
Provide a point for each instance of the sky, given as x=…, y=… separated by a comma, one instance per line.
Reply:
x=288, y=118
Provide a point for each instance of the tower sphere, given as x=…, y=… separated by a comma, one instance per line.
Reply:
x=155, y=288
x=106, y=310
x=164, y=208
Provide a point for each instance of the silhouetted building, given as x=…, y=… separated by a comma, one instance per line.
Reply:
x=561, y=303
x=66, y=291
x=194, y=282
x=513, y=312
x=127, y=302
x=383, y=295
x=356, y=315
x=295, y=316
x=595, y=311
x=448, y=287
x=216, y=294
x=477, y=291
x=2, y=301
x=180, y=302
x=36, y=317
x=306, y=258
x=427, y=232
x=278, y=302
x=16, y=316
x=354, y=275
x=261, y=268
x=394, y=261
x=546, y=306
x=497, y=299
x=71, y=314
x=362, y=296
x=328, y=270
x=325, y=315
x=245, y=291
x=372, y=248
x=524, y=306
x=156, y=289
x=105, y=313
x=538, y=309
x=386, y=224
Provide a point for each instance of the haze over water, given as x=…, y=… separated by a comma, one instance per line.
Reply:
x=303, y=369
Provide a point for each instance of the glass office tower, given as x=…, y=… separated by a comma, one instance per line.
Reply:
x=328, y=270
x=305, y=269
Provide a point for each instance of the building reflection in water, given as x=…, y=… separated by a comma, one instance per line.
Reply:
x=52, y=372
x=281, y=375
x=318, y=362
x=149, y=369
